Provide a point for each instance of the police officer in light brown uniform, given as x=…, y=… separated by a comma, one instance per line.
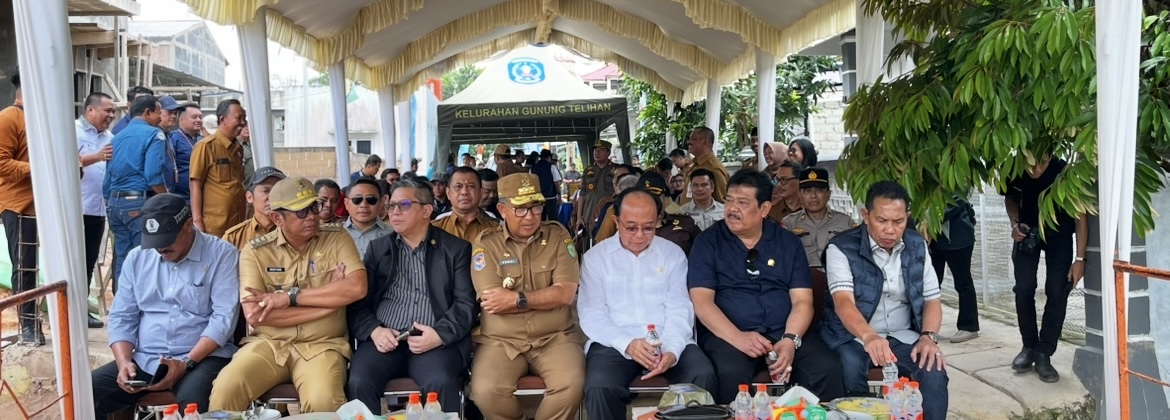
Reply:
x=598, y=183
x=526, y=273
x=259, y=188
x=295, y=284
x=816, y=224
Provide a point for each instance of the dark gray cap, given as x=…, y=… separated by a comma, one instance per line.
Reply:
x=163, y=217
x=263, y=174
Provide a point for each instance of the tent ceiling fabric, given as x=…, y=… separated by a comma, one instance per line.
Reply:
x=675, y=45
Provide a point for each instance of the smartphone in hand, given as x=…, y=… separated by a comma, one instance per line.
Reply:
x=136, y=383
x=414, y=332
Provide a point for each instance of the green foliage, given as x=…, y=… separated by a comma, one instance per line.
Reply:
x=1086, y=409
x=1011, y=81
x=457, y=80
x=797, y=91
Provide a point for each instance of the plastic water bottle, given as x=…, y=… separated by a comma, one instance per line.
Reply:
x=433, y=411
x=171, y=412
x=913, y=402
x=192, y=412
x=762, y=403
x=655, y=341
x=889, y=376
x=414, y=409
x=743, y=404
x=772, y=358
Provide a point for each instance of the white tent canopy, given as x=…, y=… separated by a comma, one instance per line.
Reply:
x=529, y=74
x=675, y=45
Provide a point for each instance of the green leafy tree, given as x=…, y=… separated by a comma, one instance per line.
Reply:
x=1008, y=82
x=457, y=80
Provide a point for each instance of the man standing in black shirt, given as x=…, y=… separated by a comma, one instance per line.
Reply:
x=953, y=247
x=1064, y=268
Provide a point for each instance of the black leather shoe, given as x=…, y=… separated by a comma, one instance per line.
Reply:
x=1044, y=368
x=1023, y=361
x=94, y=322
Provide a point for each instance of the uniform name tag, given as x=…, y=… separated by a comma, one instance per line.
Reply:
x=275, y=269
x=223, y=161
x=509, y=261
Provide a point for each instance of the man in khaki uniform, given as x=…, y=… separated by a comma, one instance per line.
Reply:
x=465, y=220
x=702, y=145
x=217, y=173
x=295, y=284
x=598, y=183
x=525, y=273
x=504, y=165
x=816, y=224
x=259, y=186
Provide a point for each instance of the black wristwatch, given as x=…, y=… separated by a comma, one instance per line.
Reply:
x=522, y=301
x=190, y=363
x=292, y=296
x=795, y=339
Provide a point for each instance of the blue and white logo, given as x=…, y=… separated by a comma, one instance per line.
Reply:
x=526, y=71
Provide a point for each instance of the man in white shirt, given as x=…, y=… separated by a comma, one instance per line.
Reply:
x=94, y=149
x=703, y=207
x=629, y=282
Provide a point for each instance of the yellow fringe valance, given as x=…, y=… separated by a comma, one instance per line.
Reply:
x=228, y=12
x=629, y=67
x=470, y=56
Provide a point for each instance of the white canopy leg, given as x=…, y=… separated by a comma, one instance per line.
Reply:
x=386, y=117
x=257, y=99
x=714, y=105
x=340, y=123
x=766, y=89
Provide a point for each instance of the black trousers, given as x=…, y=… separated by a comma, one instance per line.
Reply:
x=439, y=370
x=552, y=209
x=95, y=227
x=1058, y=256
x=816, y=367
x=194, y=387
x=608, y=375
x=960, y=262
x=21, y=233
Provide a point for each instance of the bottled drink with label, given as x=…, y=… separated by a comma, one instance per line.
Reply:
x=414, y=408
x=762, y=403
x=172, y=412
x=191, y=412
x=655, y=341
x=889, y=375
x=913, y=402
x=742, y=408
x=433, y=411
x=776, y=377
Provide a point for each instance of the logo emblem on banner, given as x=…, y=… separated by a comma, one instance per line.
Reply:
x=526, y=71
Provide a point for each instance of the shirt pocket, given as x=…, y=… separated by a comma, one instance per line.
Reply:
x=195, y=298
x=542, y=275
x=323, y=275
x=222, y=169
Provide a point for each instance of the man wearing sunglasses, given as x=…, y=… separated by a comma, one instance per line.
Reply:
x=752, y=291
x=526, y=274
x=416, y=320
x=886, y=303
x=363, y=202
x=628, y=283
x=295, y=284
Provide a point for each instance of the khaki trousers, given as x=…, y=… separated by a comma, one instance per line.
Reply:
x=494, y=375
x=320, y=381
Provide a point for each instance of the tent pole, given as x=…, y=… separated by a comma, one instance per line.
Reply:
x=386, y=117
x=254, y=45
x=714, y=106
x=766, y=89
x=340, y=123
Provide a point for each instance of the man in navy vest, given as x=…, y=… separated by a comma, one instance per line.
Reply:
x=885, y=305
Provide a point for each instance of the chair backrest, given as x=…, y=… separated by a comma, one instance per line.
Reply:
x=820, y=292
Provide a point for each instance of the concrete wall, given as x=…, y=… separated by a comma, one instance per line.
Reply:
x=313, y=162
x=309, y=117
x=827, y=128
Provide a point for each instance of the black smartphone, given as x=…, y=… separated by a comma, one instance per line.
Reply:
x=412, y=333
x=136, y=383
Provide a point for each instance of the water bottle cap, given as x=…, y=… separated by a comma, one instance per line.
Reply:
x=414, y=397
x=171, y=409
x=743, y=387
x=432, y=397
x=904, y=379
x=192, y=408
x=761, y=388
x=650, y=327
x=913, y=385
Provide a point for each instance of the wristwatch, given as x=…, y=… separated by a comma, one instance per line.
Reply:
x=190, y=363
x=292, y=296
x=522, y=301
x=795, y=339
x=933, y=336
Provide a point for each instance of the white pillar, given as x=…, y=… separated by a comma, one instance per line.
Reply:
x=766, y=89
x=714, y=103
x=43, y=50
x=871, y=35
x=386, y=116
x=404, y=152
x=257, y=100
x=671, y=142
x=340, y=123
x=1118, y=47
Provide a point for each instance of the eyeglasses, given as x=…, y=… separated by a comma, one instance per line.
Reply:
x=369, y=199
x=752, y=271
x=525, y=211
x=785, y=180
x=645, y=230
x=305, y=212
x=404, y=205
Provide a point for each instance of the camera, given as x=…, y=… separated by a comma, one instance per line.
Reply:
x=1031, y=243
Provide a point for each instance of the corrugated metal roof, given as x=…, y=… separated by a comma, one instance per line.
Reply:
x=161, y=29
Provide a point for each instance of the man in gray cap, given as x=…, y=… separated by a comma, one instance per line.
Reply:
x=257, y=195
x=171, y=325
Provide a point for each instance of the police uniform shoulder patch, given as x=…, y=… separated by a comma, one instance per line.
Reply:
x=570, y=248
x=478, y=260
x=331, y=227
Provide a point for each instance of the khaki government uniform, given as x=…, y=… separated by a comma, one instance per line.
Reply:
x=313, y=355
x=815, y=234
x=450, y=223
x=219, y=162
x=239, y=235
x=780, y=210
x=598, y=183
x=710, y=163
x=548, y=343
